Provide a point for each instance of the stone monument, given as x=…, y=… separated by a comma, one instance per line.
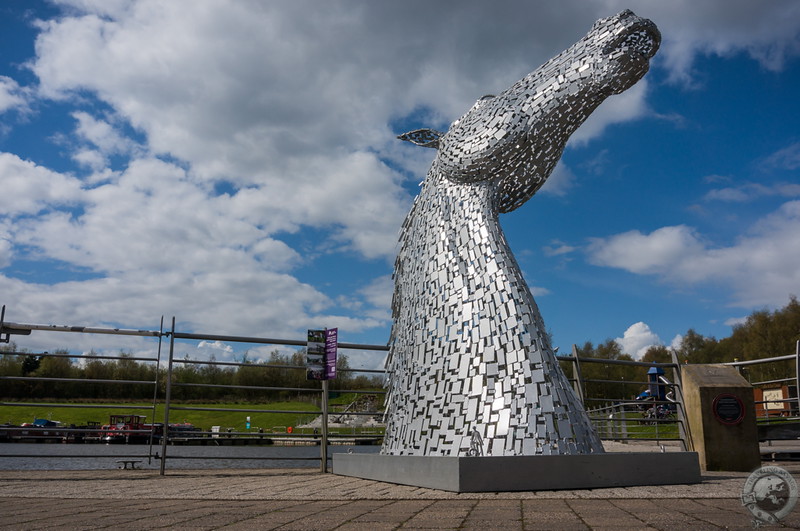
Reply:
x=472, y=373
x=720, y=409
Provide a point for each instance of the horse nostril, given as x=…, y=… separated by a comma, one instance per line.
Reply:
x=641, y=41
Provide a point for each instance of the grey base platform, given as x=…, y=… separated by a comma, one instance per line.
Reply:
x=524, y=473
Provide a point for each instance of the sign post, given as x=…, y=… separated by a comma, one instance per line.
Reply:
x=323, y=444
x=321, y=365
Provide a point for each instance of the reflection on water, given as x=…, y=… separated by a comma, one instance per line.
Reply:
x=104, y=456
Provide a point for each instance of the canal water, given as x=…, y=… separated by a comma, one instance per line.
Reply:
x=22, y=456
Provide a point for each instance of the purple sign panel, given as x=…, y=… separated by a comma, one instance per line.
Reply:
x=331, y=345
x=321, y=354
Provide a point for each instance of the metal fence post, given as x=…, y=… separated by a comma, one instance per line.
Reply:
x=576, y=372
x=683, y=427
x=797, y=374
x=618, y=421
x=168, y=395
x=324, y=442
x=155, y=392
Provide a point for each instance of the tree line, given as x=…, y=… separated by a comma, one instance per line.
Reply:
x=763, y=334
x=250, y=378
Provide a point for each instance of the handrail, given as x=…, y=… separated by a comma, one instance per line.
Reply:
x=78, y=406
x=80, y=329
x=262, y=365
x=760, y=361
x=77, y=356
x=172, y=334
x=76, y=380
x=617, y=362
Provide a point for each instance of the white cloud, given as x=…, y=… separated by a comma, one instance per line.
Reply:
x=365, y=359
x=765, y=31
x=637, y=339
x=214, y=347
x=625, y=107
x=787, y=158
x=101, y=134
x=735, y=321
x=538, y=291
x=379, y=291
x=657, y=252
x=29, y=189
x=760, y=269
x=713, y=179
x=237, y=301
x=297, y=105
x=750, y=191
x=90, y=158
x=161, y=243
x=378, y=294
x=558, y=248
x=290, y=105
x=296, y=81
x=11, y=95
x=561, y=180
x=6, y=247
x=676, y=342
x=107, y=8
x=6, y=252
x=269, y=110
x=308, y=79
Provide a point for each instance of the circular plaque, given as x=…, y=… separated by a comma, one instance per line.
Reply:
x=728, y=409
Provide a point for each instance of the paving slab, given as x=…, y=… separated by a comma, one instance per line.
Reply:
x=296, y=499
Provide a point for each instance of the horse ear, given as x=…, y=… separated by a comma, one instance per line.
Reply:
x=428, y=138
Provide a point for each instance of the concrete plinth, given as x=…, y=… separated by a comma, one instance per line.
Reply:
x=524, y=473
x=721, y=413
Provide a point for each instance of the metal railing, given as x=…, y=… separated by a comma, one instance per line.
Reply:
x=615, y=419
x=164, y=384
x=323, y=438
x=619, y=418
x=784, y=403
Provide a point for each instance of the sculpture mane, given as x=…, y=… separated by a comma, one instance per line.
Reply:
x=472, y=371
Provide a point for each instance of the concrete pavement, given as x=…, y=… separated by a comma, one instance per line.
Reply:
x=290, y=499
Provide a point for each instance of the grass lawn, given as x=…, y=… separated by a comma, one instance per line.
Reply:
x=269, y=417
x=67, y=414
x=636, y=426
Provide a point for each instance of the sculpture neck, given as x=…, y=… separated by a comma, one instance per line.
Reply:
x=457, y=203
x=451, y=228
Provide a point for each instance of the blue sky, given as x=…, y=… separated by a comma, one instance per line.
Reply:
x=235, y=165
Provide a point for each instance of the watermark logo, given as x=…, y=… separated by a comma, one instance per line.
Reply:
x=770, y=494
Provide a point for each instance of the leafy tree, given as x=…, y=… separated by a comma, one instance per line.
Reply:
x=215, y=374
x=657, y=354
x=186, y=373
x=56, y=365
x=694, y=348
x=344, y=377
x=607, y=382
x=11, y=365
x=30, y=364
x=249, y=375
x=766, y=334
x=96, y=369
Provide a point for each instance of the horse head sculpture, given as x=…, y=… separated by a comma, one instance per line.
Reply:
x=472, y=371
